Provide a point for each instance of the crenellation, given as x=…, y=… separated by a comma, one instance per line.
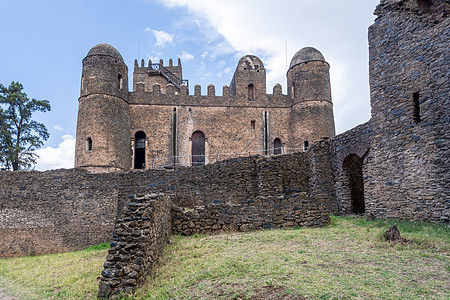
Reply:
x=197, y=90
x=226, y=91
x=170, y=90
x=211, y=90
x=156, y=89
x=277, y=89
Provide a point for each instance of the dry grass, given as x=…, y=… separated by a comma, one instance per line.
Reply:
x=347, y=260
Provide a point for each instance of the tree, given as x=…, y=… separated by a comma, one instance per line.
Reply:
x=20, y=136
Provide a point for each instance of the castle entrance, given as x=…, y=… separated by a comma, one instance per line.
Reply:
x=353, y=182
x=198, y=148
x=139, y=150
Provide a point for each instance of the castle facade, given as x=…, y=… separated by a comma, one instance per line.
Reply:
x=160, y=124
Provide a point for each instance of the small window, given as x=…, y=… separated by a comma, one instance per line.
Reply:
x=416, y=111
x=277, y=146
x=120, y=78
x=252, y=124
x=293, y=90
x=89, y=144
x=306, y=145
x=251, y=92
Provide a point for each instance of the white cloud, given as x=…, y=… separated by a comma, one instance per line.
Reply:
x=185, y=56
x=59, y=128
x=337, y=29
x=162, y=37
x=55, y=158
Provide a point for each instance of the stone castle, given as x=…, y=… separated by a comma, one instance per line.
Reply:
x=394, y=165
x=160, y=124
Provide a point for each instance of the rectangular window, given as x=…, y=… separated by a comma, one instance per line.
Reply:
x=252, y=125
x=416, y=109
x=306, y=145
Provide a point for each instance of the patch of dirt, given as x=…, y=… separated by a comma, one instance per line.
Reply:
x=241, y=291
x=5, y=292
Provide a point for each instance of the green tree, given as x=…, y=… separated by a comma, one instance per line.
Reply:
x=20, y=136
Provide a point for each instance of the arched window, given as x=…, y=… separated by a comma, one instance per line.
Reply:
x=251, y=92
x=139, y=150
x=293, y=90
x=198, y=148
x=120, y=81
x=277, y=146
x=89, y=144
x=353, y=182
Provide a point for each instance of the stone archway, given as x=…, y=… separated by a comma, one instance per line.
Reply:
x=353, y=184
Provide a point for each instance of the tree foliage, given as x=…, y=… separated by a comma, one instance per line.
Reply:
x=20, y=136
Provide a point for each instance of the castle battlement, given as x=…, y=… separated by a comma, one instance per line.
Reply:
x=160, y=121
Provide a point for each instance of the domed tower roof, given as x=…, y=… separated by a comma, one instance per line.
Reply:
x=306, y=54
x=105, y=49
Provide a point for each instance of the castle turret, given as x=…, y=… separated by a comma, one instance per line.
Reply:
x=308, y=81
x=249, y=79
x=103, y=126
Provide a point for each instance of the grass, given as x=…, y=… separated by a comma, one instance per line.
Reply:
x=348, y=259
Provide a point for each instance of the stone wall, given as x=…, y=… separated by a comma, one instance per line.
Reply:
x=55, y=211
x=407, y=170
x=140, y=234
x=258, y=213
x=356, y=141
x=66, y=210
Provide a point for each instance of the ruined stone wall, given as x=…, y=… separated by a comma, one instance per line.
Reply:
x=55, y=211
x=65, y=210
x=259, y=213
x=356, y=141
x=140, y=234
x=408, y=171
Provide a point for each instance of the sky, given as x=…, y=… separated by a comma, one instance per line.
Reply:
x=44, y=42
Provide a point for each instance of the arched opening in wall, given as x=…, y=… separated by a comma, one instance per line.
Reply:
x=198, y=148
x=120, y=82
x=276, y=146
x=139, y=150
x=293, y=90
x=354, y=184
x=251, y=92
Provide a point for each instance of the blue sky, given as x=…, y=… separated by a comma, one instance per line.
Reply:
x=44, y=42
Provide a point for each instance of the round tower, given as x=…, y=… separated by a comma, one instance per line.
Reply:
x=103, y=126
x=308, y=81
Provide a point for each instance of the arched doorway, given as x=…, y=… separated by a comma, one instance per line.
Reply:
x=198, y=148
x=139, y=150
x=353, y=182
x=276, y=146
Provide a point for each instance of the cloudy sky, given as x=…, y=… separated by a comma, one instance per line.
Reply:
x=44, y=42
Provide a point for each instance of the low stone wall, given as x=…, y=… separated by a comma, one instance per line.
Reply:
x=259, y=213
x=140, y=234
x=55, y=211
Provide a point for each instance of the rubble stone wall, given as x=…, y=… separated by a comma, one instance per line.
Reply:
x=140, y=234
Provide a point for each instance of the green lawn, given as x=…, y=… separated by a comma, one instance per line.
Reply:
x=348, y=259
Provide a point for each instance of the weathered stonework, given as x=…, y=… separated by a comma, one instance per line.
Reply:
x=259, y=213
x=67, y=210
x=405, y=146
x=395, y=165
x=141, y=232
x=243, y=120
